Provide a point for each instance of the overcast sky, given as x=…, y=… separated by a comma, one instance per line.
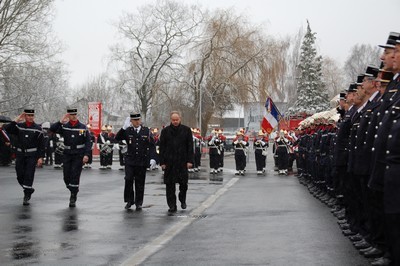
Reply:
x=85, y=26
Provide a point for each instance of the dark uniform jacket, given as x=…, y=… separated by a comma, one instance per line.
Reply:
x=363, y=145
x=380, y=143
x=30, y=140
x=342, y=139
x=391, y=184
x=76, y=138
x=141, y=147
x=176, y=150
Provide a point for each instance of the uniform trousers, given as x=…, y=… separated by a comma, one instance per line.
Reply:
x=197, y=158
x=260, y=159
x=106, y=159
x=171, y=196
x=283, y=158
x=376, y=218
x=240, y=160
x=121, y=158
x=49, y=156
x=72, y=169
x=393, y=235
x=25, y=167
x=221, y=158
x=90, y=161
x=214, y=159
x=134, y=175
x=58, y=158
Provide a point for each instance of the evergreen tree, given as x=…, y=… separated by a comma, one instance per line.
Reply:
x=312, y=97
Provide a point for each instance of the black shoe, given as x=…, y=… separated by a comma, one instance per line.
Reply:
x=362, y=251
x=27, y=196
x=128, y=205
x=373, y=253
x=362, y=245
x=138, y=207
x=173, y=209
x=183, y=205
x=382, y=261
x=356, y=238
x=348, y=232
x=26, y=200
x=72, y=201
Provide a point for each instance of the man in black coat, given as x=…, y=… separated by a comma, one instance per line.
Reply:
x=176, y=157
x=141, y=151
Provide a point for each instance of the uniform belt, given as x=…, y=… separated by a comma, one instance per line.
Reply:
x=27, y=150
x=213, y=147
x=281, y=145
x=259, y=148
x=238, y=148
x=80, y=146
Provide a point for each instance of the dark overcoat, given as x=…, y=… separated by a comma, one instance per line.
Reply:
x=176, y=150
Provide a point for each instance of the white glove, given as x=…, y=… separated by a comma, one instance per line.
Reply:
x=127, y=123
x=243, y=142
x=153, y=164
x=235, y=142
x=108, y=142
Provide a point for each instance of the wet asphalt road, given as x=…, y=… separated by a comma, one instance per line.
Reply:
x=230, y=220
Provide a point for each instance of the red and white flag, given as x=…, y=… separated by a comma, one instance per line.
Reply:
x=271, y=117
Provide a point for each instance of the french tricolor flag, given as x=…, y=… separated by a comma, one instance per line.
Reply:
x=271, y=117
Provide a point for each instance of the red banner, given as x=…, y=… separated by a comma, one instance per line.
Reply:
x=95, y=116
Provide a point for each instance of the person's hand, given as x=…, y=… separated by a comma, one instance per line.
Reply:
x=127, y=123
x=85, y=159
x=20, y=118
x=163, y=166
x=39, y=162
x=153, y=164
x=189, y=165
x=65, y=118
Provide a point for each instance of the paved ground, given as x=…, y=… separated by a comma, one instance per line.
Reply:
x=230, y=220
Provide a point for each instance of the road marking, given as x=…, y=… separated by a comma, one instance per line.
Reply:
x=155, y=245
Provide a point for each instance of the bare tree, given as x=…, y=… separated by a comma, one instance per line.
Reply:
x=233, y=63
x=25, y=31
x=29, y=73
x=152, y=42
x=40, y=86
x=332, y=76
x=360, y=57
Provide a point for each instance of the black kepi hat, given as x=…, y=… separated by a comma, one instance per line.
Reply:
x=29, y=111
x=385, y=76
x=372, y=71
x=391, y=41
x=352, y=87
x=135, y=116
x=360, y=79
x=72, y=111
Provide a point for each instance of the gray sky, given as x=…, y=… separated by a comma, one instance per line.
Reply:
x=84, y=26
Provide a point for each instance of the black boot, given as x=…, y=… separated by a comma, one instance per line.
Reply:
x=72, y=200
x=27, y=196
